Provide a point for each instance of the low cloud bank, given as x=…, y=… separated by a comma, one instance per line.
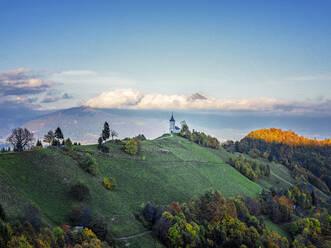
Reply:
x=135, y=99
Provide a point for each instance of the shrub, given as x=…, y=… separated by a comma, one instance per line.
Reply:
x=32, y=215
x=80, y=192
x=89, y=164
x=2, y=213
x=68, y=143
x=80, y=215
x=39, y=143
x=141, y=137
x=98, y=224
x=131, y=147
x=105, y=149
x=109, y=183
x=59, y=236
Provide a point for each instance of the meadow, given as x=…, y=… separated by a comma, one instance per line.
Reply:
x=167, y=169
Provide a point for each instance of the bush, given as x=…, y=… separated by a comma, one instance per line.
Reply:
x=80, y=192
x=131, y=147
x=68, y=143
x=109, y=183
x=2, y=213
x=80, y=215
x=32, y=215
x=59, y=236
x=98, y=224
x=141, y=137
x=105, y=149
x=89, y=164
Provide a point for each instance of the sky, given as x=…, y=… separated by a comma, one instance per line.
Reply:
x=264, y=56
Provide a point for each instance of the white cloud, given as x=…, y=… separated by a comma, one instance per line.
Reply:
x=75, y=73
x=135, y=99
x=116, y=99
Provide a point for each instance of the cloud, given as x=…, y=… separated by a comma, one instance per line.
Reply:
x=310, y=78
x=92, y=78
x=75, y=73
x=66, y=96
x=21, y=82
x=52, y=98
x=135, y=99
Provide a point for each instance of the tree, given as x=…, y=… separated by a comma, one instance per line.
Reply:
x=100, y=144
x=32, y=215
x=2, y=213
x=58, y=134
x=39, y=143
x=131, y=147
x=80, y=192
x=49, y=137
x=89, y=164
x=68, y=142
x=105, y=131
x=20, y=138
x=113, y=134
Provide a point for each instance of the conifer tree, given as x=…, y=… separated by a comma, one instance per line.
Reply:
x=39, y=143
x=105, y=131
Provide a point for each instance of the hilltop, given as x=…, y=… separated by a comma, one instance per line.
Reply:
x=168, y=169
x=287, y=137
x=308, y=159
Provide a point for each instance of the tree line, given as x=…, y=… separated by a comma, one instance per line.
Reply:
x=250, y=168
x=310, y=157
x=215, y=221
x=199, y=138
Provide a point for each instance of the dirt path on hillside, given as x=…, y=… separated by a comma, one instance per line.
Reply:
x=134, y=236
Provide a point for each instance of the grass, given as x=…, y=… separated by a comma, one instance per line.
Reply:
x=276, y=228
x=174, y=169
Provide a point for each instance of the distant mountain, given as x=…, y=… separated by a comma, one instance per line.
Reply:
x=84, y=124
x=12, y=117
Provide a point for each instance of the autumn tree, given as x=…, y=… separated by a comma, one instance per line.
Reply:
x=131, y=147
x=20, y=138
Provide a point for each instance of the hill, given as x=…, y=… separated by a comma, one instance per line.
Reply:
x=286, y=137
x=303, y=156
x=174, y=169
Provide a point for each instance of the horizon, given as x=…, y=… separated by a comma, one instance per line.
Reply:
x=211, y=58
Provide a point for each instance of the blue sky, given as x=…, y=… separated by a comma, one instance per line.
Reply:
x=240, y=51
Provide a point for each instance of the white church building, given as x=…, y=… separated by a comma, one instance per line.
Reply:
x=173, y=128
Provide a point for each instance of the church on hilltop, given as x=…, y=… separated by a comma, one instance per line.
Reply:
x=173, y=129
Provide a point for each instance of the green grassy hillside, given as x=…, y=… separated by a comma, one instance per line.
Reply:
x=174, y=169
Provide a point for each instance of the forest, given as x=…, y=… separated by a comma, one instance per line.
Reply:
x=308, y=157
x=250, y=168
x=215, y=221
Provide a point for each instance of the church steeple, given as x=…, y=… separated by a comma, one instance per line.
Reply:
x=172, y=117
x=172, y=126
